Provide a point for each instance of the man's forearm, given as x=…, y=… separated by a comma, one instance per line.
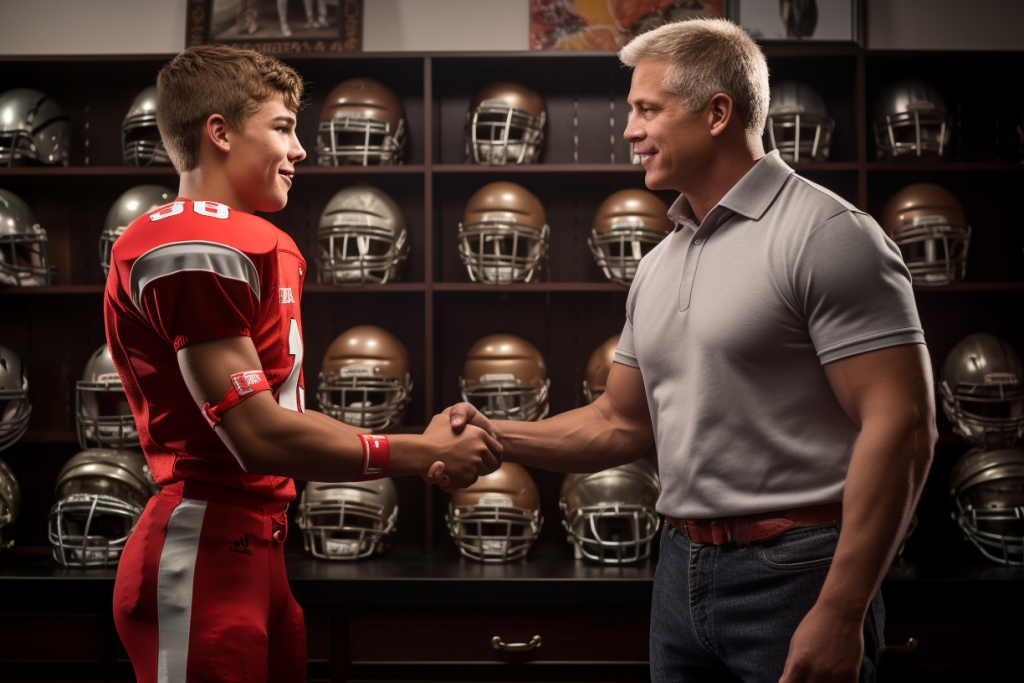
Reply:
x=588, y=439
x=884, y=481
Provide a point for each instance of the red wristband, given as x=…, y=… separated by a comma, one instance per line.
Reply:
x=376, y=456
x=243, y=386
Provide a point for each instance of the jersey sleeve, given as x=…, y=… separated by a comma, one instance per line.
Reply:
x=854, y=289
x=196, y=291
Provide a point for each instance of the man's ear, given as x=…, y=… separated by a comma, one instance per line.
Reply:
x=719, y=111
x=217, y=130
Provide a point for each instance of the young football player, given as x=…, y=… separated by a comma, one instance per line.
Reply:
x=202, y=316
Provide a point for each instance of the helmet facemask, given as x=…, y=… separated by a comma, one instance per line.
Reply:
x=493, y=530
x=357, y=397
x=987, y=415
x=24, y=262
x=141, y=143
x=498, y=134
x=799, y=136
x=358, y=141
x=104, y=416
x=502, y=253
x=991, y=514
x=503, y=397
x=918, y=133
x=614, y=533
x=358, y=254
x=618, y=251
x=90, y=530
x=934, y=250
x=344, y=529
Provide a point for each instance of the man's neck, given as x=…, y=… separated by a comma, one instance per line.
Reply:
x=716, y=181
x=211, y=187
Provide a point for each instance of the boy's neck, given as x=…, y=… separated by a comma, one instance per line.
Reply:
x=211, y=187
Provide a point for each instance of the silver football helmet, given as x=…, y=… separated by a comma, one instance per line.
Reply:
x=610, y=515
x=988, y=488
x=798, y=124
x=140, y=138
x=33, y=127
x=361, y=238
x=10, y=504
x=15, y=410
x=101, y=493
x=911, y=120
x=135, y=202
x=982, y=389
x=505, y=125
x=104, y=417
x=347, y=520
x=23, y=259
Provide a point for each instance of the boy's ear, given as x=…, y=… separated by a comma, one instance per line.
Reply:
x=217, y=131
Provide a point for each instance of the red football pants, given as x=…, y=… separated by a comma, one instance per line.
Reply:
x=201, y=591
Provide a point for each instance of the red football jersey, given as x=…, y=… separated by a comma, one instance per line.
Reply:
x=190, y=272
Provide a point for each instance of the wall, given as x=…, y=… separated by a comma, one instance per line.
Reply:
x=158, y=26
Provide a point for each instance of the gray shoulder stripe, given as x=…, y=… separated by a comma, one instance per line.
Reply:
x=176, y=257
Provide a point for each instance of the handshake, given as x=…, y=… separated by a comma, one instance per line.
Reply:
x=464, y=446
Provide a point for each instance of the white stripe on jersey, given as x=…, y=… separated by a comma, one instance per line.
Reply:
x=174, y=588
x=178, y=257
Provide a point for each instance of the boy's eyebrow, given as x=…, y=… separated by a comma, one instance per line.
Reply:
x=286, y=119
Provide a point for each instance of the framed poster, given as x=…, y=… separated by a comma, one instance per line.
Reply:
x=278, y=26
x=818, y=21
x=607, y=24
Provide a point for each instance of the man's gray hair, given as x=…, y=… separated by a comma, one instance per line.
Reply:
x=707, y=57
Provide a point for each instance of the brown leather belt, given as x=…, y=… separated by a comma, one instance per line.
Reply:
x=760, y=527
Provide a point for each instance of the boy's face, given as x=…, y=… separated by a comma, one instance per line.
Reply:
x=263, y=157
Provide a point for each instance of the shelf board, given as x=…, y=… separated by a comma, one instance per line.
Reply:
x=919, y=166
x=30, y=171
x=359, y=170
x=530, y=287
x=974, y=287
x=346, y=289
x=53, y=289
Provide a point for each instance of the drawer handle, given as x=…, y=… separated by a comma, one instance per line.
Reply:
x=909, y=646
x=515, y=647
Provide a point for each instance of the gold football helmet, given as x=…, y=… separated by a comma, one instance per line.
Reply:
x=362, y=123
x=598, y=367
x=503, y=236
x=505, y=377
x=498, y=518
x=927, y=223
x=627, y=225
x=505, y=125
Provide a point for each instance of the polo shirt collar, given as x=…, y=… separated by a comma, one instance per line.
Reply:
x=750, y=197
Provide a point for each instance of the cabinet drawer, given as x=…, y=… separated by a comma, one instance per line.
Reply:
x=49, y=638
x=976, y=645
x=618, y=638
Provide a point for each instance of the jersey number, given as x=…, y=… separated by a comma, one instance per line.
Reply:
x=211, y=209
x=292, y=396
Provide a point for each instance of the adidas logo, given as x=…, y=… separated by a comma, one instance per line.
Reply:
x=241, y=546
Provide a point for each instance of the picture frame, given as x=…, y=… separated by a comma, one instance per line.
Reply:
x=801, y=22
x=277, y=26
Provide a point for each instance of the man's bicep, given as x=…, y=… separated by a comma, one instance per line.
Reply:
x=626, y=397
x=207, y=366
x=895, y=381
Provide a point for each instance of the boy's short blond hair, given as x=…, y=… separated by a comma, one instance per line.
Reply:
x=707, y=57
x=216, y=79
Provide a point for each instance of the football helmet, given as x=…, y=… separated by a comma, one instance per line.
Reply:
x=15, y=409
x=988, y=489
x=982, y=389
x=505, y=125
x=104, y=417
x=503, y=236
x=598, y=367
x=911, y=120
x=139, y=200
x=610, y=515
x=364, y=379
x=497, y=518
x=627, y=225
x=33, y=127
x=141, y=143
x=798, y=124
x=361, y=238
x=362, y=123
x=10, y=504
x=23, y=259
x=927, y=223
x=101, y=493
x=347, y=520
x=505, y=377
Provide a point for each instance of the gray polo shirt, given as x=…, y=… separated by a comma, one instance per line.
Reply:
x=730, y=323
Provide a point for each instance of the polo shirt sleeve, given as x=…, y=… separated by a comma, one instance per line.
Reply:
x=854, y=289
x=625, y=352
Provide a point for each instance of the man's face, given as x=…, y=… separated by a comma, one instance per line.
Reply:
x=671, y=142
x=263, y=157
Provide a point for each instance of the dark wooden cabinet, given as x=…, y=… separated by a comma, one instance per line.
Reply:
x=422, y=613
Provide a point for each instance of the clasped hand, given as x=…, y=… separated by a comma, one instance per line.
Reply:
x=465, y=445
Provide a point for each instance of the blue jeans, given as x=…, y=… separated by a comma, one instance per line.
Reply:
x=725, y=613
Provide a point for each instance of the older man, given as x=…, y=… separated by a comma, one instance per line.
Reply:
x=773, y=351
